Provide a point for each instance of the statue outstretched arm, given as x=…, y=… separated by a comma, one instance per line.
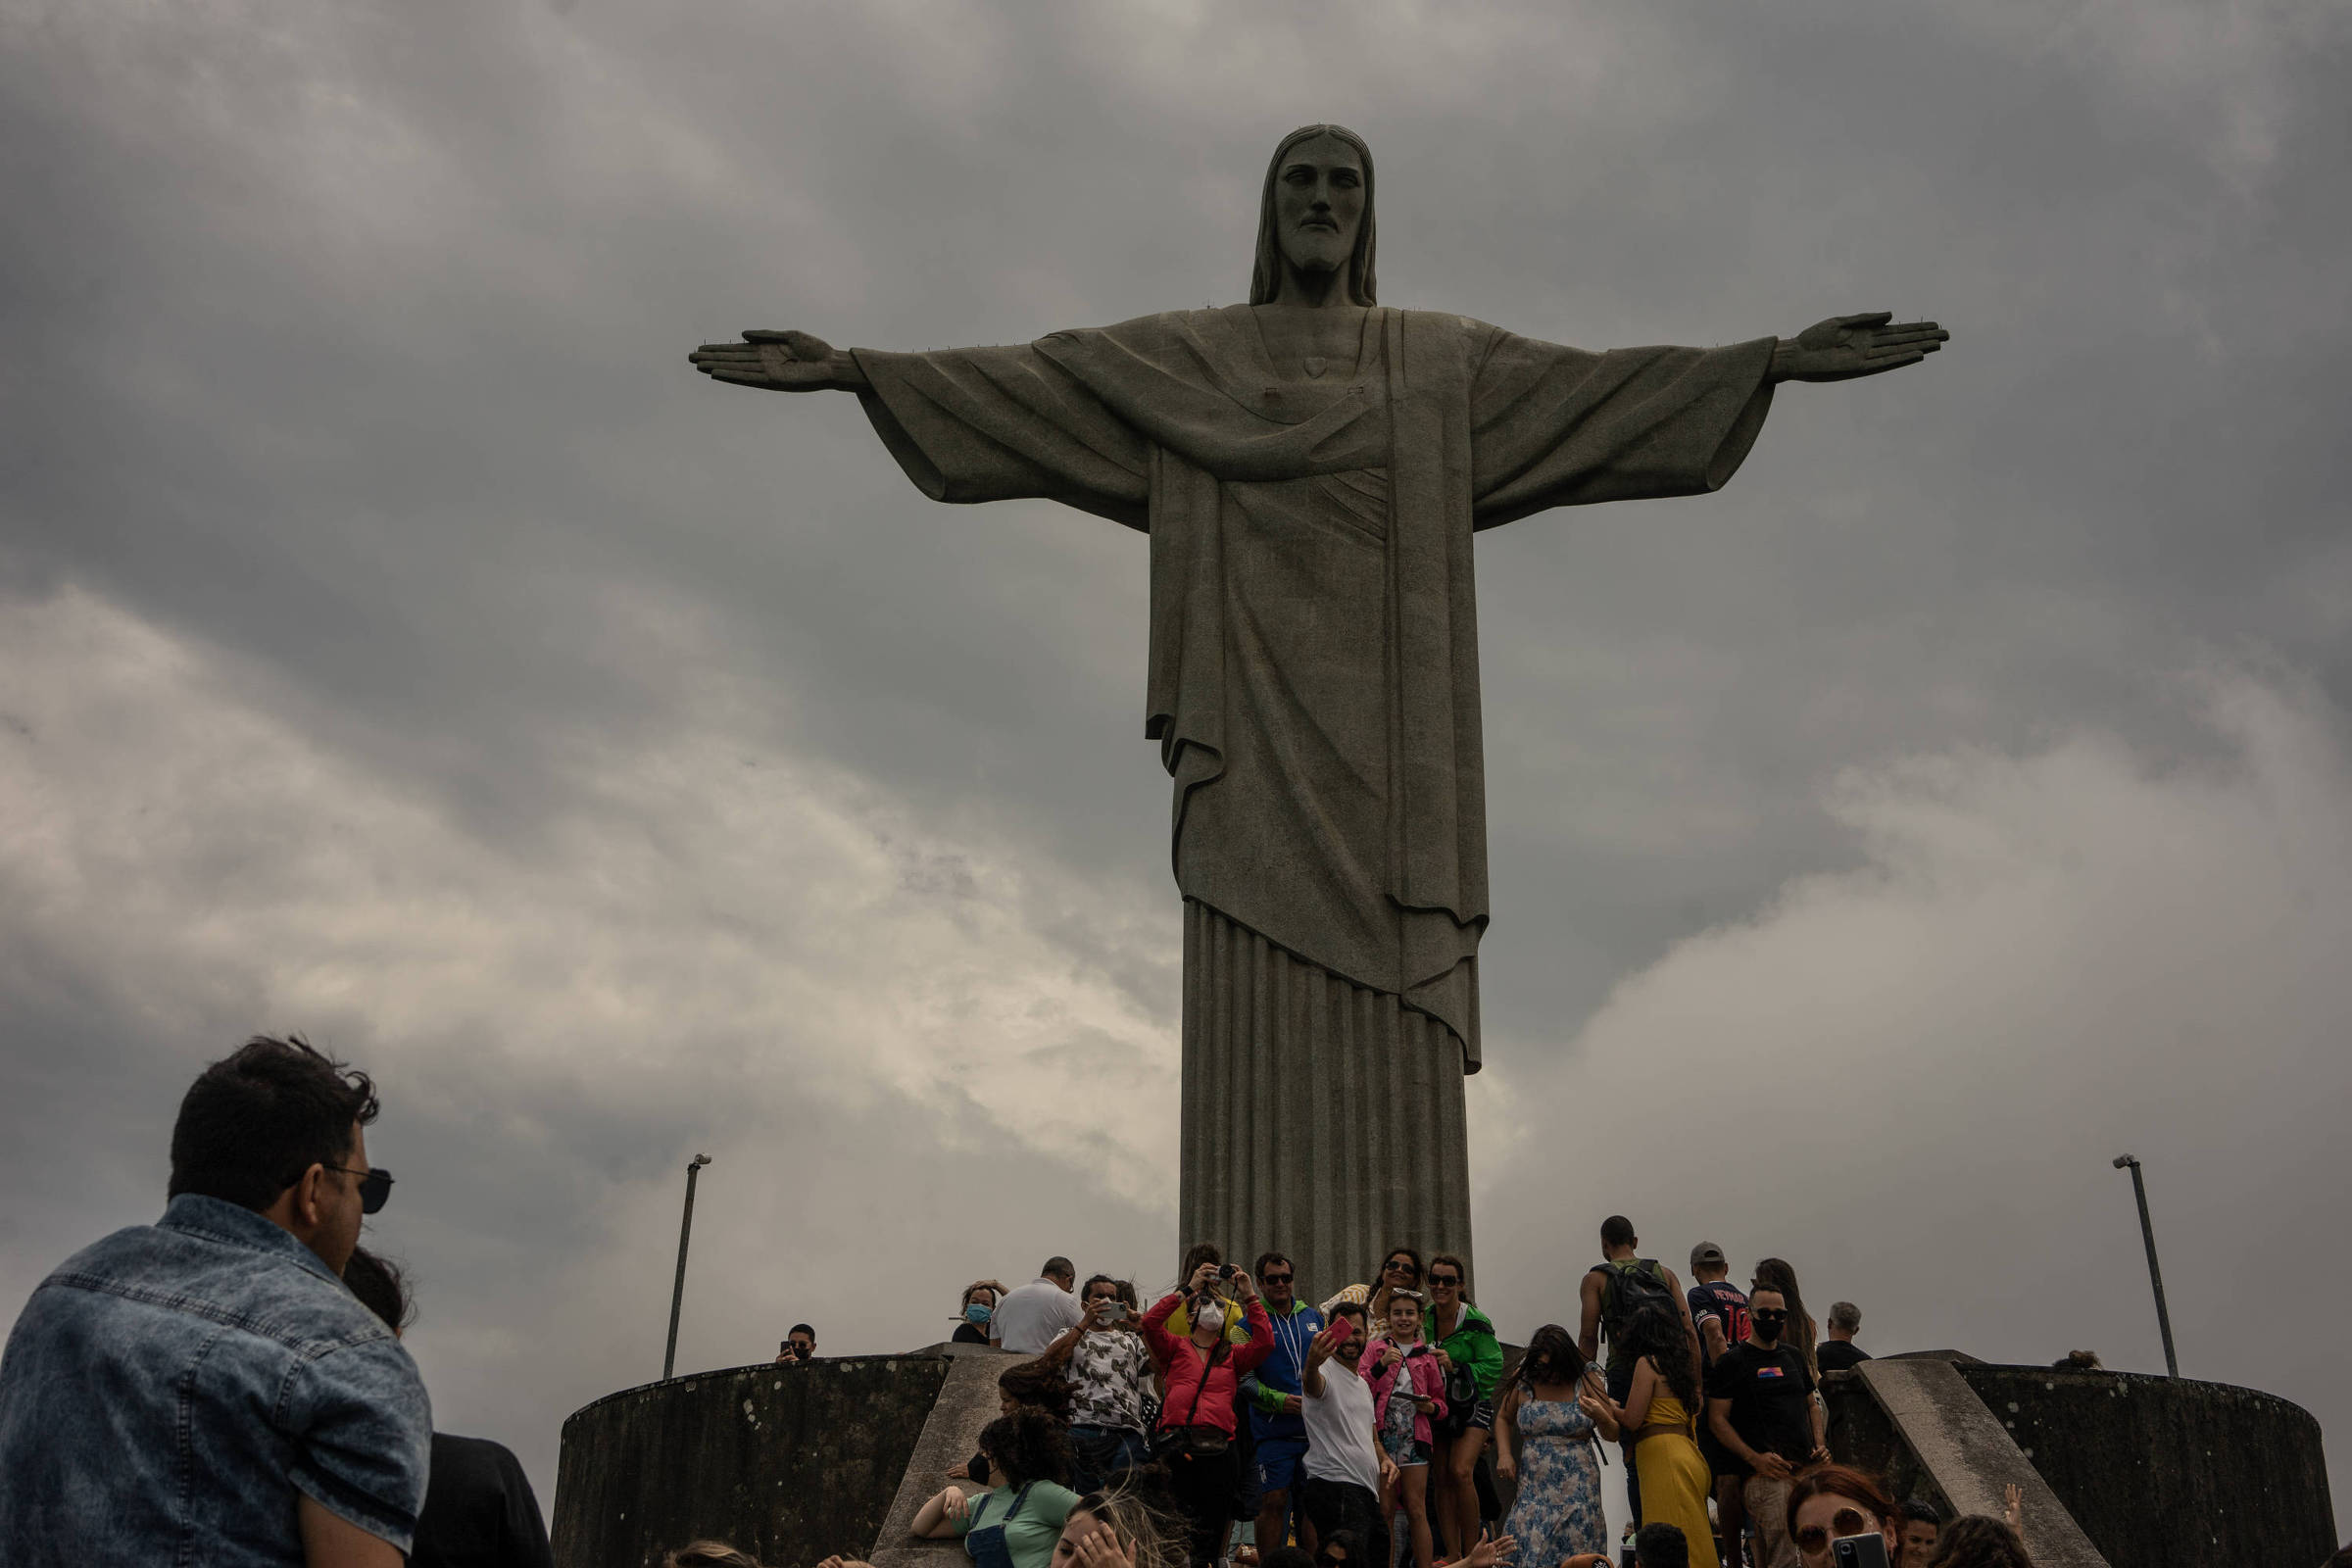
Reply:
x=1845, y=347
x=780, y=362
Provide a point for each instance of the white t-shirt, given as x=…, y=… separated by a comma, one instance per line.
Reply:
x=1034, y=1316
x=1339, y=1431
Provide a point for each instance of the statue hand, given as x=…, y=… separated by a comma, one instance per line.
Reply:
x=1846, y=346
x=779, y=362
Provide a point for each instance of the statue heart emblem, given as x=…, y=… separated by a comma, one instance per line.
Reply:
x=1315, y=366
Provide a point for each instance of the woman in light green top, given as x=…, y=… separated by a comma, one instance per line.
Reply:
x=1015, y=1525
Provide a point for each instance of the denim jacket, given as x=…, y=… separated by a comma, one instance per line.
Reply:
x=167, y=1393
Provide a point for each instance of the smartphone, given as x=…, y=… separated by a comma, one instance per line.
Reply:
x=1115, y=1312
x=1859, y=1552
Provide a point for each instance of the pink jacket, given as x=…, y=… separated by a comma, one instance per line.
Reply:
x=1428, y=1380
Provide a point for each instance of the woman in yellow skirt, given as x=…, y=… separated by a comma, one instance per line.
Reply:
x=1660, y=1415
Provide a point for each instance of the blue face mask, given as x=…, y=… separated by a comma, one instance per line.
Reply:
x=976, y=1312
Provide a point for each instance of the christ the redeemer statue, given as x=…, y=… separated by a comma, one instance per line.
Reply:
x=1312, y=466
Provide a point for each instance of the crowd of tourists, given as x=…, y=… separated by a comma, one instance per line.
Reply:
x=1253, y=1416
x=228, y=1387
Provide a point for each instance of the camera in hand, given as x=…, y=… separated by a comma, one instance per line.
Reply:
x=1226, y=1271
x=1859, y=1552
x=1114, y=1312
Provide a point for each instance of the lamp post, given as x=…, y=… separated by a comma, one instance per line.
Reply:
x=677, y=1290
x=2147, y=1234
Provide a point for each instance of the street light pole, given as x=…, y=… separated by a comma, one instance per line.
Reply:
x=2147, y=1234
x=677, y=1290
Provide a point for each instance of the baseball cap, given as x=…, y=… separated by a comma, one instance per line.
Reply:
x=1707, y=1253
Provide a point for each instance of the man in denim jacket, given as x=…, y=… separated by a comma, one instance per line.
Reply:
x=204, y=1390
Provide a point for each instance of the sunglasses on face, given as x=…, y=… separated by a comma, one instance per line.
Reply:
x=1274, y=1279
x=375, y=1185
x=1401, y=1265
x=1445, y=1279
x=1813, y=1540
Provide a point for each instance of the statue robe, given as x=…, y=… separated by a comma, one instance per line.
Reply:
x=1313, y=681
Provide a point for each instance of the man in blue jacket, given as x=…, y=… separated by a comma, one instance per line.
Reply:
x=1276, y=1426
x=204, y=1390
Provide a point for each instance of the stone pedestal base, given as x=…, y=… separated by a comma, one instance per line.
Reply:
x=1321, y=1119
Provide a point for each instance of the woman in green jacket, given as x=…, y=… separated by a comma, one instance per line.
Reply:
x=1465, y=1338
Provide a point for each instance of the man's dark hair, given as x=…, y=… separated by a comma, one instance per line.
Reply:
x=1060, y=1267
x=1286, y=1557
x=1617, y=1231
x=800, y=1328
x=1662, y=1546
x=253, y=1122
x=1257, y=1270
x=1339, y=1542
x=1353, y=1309
x=380, y=1286
x=1926, y=1512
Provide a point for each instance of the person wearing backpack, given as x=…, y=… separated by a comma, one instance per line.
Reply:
x=1614, y=1291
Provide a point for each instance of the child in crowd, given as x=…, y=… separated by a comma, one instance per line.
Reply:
x=1408, y=1390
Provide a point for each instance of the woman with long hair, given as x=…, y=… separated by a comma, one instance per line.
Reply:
x=1828, y=1502
x=1466, y=1346
x=1117, y=1528
x=1557, y=1402
x=1775, y=1274
x=1014, y=1525
x=1660, y=1416
x=1400, y=1270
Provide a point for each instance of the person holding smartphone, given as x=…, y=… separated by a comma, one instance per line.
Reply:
x=1111, y=1374
x=1199, y=1423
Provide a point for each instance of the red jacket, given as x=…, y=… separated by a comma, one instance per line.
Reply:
x=1183, y=1362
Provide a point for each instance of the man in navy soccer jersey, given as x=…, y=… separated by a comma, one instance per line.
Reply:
x=1719, y=1311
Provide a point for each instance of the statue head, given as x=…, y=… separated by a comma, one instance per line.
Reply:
x=1316, y=213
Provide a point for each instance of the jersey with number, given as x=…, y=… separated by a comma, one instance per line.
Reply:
x=1727, y=1304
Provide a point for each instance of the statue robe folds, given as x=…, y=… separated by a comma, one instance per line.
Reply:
x=1313, y=686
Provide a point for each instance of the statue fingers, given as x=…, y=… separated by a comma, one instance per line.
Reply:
x=1867, y=318
x=759, y=379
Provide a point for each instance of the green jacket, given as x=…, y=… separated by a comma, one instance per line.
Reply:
x=1473, y=1344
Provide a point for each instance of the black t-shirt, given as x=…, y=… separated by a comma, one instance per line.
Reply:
x=1771, y=1405
x=479, y=1509
x=1839, y=1355
x=1726, y=1303
x=969, y=1334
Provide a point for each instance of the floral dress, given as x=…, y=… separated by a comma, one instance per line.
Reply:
x=1559, y=1510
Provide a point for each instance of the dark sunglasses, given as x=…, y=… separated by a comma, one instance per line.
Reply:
x=1846, y=1522
x=375, y=1185
x=1445, y=1279
x=1404, y=1263
x=1769, y=1314
x=1275, y=1279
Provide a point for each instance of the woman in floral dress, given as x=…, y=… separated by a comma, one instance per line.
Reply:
x=1557, y=1404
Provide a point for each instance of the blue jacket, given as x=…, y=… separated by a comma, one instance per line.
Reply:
x=1280, y=1374
x=167, y=1391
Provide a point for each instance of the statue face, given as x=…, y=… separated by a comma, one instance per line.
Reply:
x=1319, y=204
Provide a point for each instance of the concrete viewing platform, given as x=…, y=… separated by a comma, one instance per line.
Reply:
x=797, y=1461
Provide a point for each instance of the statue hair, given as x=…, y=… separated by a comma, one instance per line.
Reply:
x=1265, y=279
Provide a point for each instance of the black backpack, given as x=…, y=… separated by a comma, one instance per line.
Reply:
x=1629, y=1285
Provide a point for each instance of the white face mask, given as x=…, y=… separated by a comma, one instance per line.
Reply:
x=1210, y=1318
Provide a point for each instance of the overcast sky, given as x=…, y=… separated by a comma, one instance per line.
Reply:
x=401, y=644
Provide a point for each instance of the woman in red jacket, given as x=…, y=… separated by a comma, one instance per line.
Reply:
x=1197, y=1424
